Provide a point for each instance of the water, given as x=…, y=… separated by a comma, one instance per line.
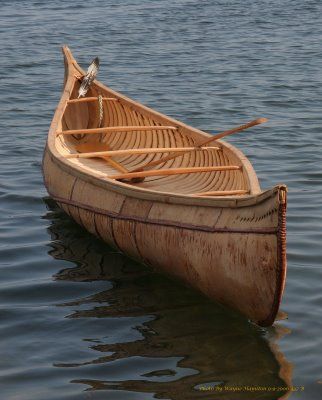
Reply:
x=79, y=321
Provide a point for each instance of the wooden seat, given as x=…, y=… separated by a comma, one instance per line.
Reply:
x=108, y=129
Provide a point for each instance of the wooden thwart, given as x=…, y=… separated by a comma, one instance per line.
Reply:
x=126, y=152
x=221, y=193
x=90, y=99
x=175, y=171
x=108, y=129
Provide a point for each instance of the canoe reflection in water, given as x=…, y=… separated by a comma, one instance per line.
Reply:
x=185, y=343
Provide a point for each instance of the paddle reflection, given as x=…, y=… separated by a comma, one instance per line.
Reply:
x=188, y=347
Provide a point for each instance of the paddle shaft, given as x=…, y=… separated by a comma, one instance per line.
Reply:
x=203, y=143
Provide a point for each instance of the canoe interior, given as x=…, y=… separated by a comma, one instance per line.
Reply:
x=119, y=113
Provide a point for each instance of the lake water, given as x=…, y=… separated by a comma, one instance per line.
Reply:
x=80, y=321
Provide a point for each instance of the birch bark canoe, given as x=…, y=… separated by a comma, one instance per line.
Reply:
x=201, y=217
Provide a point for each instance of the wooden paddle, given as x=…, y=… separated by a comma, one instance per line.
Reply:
x=240, y=128
x=99, y=147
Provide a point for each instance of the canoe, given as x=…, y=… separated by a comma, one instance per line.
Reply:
x=160, y=192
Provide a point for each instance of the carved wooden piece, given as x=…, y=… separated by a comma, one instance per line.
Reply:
x=174, y=171
x=128, y=128
x=222, y=193
x=118, y=153
x=95, y=147
x=230, y=247
x=89, y=99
